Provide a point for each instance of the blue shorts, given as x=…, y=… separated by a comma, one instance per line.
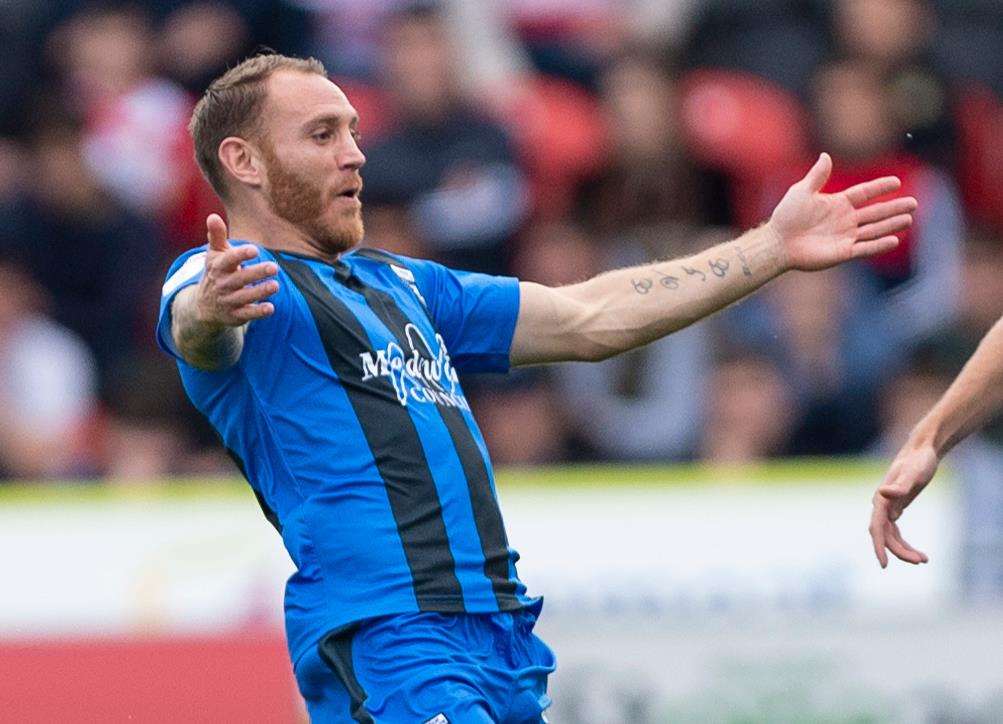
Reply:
x=430, y=667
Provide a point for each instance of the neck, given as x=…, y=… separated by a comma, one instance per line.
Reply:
x=263, y=227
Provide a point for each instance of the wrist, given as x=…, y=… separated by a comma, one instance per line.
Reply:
x=928, y=434
x=206, y=320
x=774, y=240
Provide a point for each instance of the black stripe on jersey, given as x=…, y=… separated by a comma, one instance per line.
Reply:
x=378, y=255
x=394, y=442
x=487, y=514
x=335, y=650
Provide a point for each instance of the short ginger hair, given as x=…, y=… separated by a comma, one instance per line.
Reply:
x=231, y=106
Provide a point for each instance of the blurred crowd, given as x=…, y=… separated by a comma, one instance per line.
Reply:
x=547, y=139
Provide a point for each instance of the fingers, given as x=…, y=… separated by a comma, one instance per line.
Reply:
x=232, y=294
x=902, y=550
x=884, y=227
x=917, y=555
x=216, y=233
x=250, y=294
x=897, y=501
x=818, y=175
x=863, y=249
x=862, y=193
x=886, y=209
x=886, y=535
x=231, y=259
x=241, y=277
x=222, y=254
x=893, y=491
x=251, y=312
x=878, y=536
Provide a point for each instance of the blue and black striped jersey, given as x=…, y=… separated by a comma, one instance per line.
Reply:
x=346, y=415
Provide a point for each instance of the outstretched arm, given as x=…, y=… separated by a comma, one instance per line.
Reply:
x=970, y=400
x=209, y=319
x=620, y=310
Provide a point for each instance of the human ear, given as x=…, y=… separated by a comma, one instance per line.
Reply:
x=241, y=161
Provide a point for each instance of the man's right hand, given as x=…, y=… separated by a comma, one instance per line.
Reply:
x=230, y=295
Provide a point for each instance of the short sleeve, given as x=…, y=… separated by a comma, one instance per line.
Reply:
x=474, y=313
x=186, y=270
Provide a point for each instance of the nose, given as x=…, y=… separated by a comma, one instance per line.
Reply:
x=352, y=157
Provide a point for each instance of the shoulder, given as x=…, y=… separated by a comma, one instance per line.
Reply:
x=187, y=266
x=419, y=276
x=378, y=256
x=403, y=267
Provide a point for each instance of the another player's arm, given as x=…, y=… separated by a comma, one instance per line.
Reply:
x=209, y=319
x=623, y=309
x=969, y=401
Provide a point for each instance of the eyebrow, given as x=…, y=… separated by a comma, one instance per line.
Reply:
x=333, y=119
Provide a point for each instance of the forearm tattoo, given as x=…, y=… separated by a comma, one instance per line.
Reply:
x=745, y=262
x=693, y=272
x=642, y=286
x=719, y=267
x=667, y=280
x=672, y=278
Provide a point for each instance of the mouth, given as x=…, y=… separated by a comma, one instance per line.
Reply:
x=350, y=192
x=349, y=197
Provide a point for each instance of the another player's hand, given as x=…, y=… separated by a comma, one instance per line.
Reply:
x=818, y=230
x=230, y=295
x=910, y=472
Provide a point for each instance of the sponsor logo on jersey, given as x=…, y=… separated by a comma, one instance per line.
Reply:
x=437, y=719
x=417, y=374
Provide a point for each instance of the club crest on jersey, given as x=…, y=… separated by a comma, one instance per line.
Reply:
x=407, y=276
x=417, y=374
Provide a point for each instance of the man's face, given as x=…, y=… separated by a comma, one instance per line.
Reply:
x=852, y=113
x=419, y=67
x=312, y=159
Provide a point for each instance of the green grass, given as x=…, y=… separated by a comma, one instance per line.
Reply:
x=848, y=471
x=815, y=470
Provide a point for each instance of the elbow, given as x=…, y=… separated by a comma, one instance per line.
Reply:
x=210, y=359
x=197, y=361
x=210, y=352
x=592, y=344
x=576, y=328
x=209, y=363
x=595, y=351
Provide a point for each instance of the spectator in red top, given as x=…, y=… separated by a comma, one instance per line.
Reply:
x=895, y=39
x=921, y=278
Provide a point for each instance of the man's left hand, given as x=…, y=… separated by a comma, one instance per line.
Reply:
x=817, y=230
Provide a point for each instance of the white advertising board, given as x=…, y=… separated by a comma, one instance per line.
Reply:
x=665, y=600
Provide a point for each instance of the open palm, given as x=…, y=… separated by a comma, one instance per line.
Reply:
x=820, y=230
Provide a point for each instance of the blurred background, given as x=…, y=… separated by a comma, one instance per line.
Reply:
x=551, y=140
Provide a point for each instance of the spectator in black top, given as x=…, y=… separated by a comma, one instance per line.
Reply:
x=452, y=167
x=95, y=259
